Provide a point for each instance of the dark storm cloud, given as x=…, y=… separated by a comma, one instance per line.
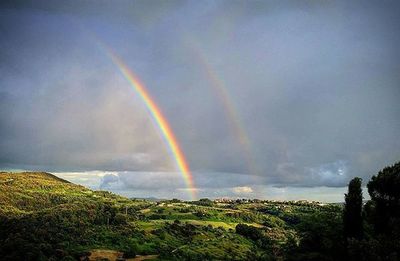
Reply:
x=122, y=9
x=315, y=85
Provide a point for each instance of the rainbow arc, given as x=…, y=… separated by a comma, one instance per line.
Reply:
x=159, y=119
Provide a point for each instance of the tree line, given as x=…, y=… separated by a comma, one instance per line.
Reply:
x=372, y=230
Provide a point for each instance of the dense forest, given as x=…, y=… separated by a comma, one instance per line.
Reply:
x=43, y=217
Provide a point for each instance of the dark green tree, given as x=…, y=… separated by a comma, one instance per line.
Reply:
x=352, y=214
x=384, y=190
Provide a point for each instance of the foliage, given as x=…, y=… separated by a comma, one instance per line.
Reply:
x=382, y=213
x=43, y=217
x=384, y=190
x=352, y=213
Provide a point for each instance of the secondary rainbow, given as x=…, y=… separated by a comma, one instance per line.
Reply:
x=222, y=93
x=159, y=119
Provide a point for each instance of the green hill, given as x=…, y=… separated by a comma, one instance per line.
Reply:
x=43, y=217
x=28, y=192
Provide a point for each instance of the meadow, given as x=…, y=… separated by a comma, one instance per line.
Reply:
x=43, y=217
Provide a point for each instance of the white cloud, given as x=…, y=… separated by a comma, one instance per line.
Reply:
x=171, y=185
x=242, y=190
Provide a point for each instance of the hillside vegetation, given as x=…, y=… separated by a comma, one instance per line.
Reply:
x=43, y=217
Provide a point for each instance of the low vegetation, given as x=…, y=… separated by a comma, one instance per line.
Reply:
x=43, y=217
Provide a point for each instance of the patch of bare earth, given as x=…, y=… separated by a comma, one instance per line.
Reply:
x=99, y=254
x=112, y=255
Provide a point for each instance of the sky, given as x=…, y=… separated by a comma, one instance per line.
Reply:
x=267, y=99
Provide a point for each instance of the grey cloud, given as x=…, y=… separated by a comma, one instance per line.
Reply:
x=107, y=179
x=159, y=185
x=316, y=88
x=143, y=12
x=174, y=180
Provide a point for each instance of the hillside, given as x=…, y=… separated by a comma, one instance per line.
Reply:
x=27, y=192
x=43, y=217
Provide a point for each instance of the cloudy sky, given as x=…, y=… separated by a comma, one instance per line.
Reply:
x=267, y=99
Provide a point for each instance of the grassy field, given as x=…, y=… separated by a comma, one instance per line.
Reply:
x=47, y=218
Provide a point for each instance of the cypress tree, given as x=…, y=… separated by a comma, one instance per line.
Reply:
x=352, y=215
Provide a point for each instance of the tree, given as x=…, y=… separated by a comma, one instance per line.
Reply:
x=249, y=231
x=384, y=190
x=352, y=214
x=120, y=219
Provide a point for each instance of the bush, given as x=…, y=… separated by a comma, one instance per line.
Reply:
x=120, y=219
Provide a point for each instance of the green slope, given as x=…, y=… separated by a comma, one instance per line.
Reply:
x=27, y=192
x=43, y=217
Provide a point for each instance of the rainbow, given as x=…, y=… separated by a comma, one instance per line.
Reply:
x=159, y=119
x=229, y=107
